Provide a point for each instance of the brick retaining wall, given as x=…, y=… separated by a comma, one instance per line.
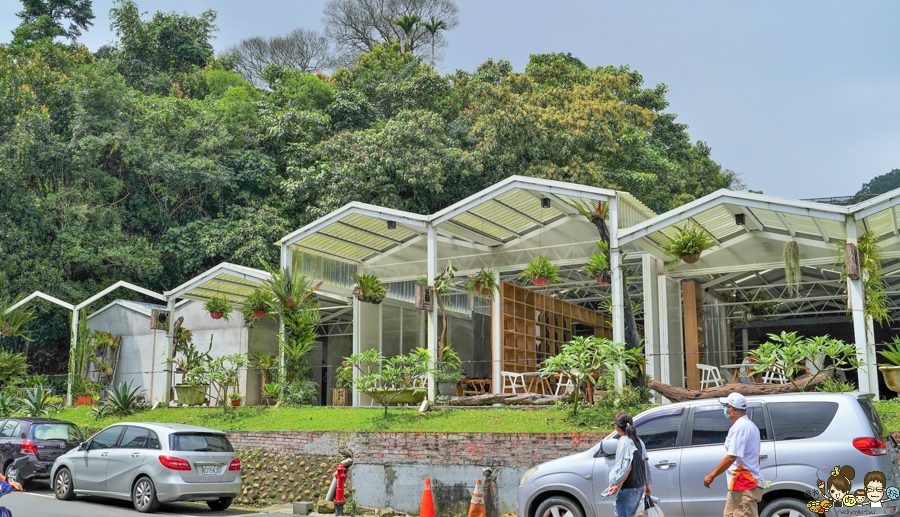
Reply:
x=498, y=449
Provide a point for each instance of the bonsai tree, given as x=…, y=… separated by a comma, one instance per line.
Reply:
x=582, y=356
x=790, y=355
x=541, y=271
x=218, y=307
x=483, y=284
x=449, y=368
x=598, y=265
x=384, y=379
x=688, y=244
x=257, y=305
x=369, y=289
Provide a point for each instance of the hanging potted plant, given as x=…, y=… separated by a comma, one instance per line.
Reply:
x=483, y=284
x=688, y=244
x=369, y=289
x=891, y=371
x=598, y=265
x=541, y=271
x=218, y=307
x=258, y=304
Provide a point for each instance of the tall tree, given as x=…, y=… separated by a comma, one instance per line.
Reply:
x=304, y=49
x=433, y=27
x=45, y=18
x=357, y=26
x=407, y=23
x=881, y=184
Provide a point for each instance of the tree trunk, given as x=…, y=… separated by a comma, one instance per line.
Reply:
x=510, y=399
x=676, y=394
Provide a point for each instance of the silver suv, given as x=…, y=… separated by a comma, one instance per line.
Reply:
x=804, y=437
x=149, y=464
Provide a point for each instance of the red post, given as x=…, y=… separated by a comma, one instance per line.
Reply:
x=339, y=492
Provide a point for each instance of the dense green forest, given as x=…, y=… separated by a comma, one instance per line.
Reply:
x=151, y=159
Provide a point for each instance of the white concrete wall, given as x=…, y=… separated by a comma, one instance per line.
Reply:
x=140, y=353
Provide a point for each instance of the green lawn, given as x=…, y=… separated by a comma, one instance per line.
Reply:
x=363, y=419
x=497, y=420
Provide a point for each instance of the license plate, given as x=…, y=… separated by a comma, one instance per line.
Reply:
x=209, y=470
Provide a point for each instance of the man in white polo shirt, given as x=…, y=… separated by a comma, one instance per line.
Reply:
x=741, y=460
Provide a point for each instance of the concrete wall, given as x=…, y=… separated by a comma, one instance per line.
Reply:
x=389, y=469
x=140, y=353
x=263, y=336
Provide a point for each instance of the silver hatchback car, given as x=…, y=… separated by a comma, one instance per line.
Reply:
x=149, y=464
x=805, y=436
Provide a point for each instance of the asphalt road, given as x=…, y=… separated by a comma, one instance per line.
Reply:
x=40, y=501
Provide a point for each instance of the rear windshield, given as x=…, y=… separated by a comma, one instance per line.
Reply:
x=199, y=442
x=797, y=420
x=873, y=417
x=68, y=432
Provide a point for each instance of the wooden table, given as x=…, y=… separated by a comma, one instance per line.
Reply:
x=536, y=382
x=479, y=386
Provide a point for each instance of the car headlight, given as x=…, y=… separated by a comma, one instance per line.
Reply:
x=528, y=474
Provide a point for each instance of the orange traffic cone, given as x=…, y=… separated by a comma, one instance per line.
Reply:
x=427, y=501
x=476, y=507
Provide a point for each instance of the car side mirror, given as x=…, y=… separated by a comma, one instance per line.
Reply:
x=608, y=447
x=83, y=446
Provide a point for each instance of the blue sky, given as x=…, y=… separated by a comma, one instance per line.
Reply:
x=801, y=98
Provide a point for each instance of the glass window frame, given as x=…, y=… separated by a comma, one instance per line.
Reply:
x=120, y=428
x=121, y=442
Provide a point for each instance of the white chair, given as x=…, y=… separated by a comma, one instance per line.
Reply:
x=513, y=381
x=772, y=376
x=710, y=375
x=564, y=383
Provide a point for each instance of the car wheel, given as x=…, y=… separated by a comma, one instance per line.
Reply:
x=220, y=504
x=12, y=474
x=62, y=485
x=786, y=507
x=143, y=495
x=558, y=507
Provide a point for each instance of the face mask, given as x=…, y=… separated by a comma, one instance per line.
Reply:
x=725, y=410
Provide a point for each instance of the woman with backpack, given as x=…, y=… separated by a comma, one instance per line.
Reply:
x=629, y=479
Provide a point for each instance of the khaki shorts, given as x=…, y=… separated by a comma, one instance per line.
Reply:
x=743, y=503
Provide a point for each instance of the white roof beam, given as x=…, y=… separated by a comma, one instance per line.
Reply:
x=550, y=226
x=412, y=222
x=745, y=268
x=722, y=279
x=693, y=220
x=357, y=228
x=821, y=229
x=121, y=283
x=894, y=220
x=788, y=226
x=560, y=205
x=518, y=212
x=472, y=234
x=412, y=242
x=38, y=294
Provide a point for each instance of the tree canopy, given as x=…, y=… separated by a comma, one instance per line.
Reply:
x=151, y=160
x=880, y=184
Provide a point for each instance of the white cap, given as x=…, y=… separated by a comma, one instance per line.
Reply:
x=735, y=400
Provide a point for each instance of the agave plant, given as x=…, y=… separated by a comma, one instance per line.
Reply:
x=270, y=392
x=124, y=399
x=37, y=402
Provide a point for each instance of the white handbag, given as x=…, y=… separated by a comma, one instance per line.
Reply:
x=649, y=507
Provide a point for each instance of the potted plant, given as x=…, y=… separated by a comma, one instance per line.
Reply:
x=483, y=284
x=688, y=244
x=235, y=398
x=541, y=271
x=448, y=372
x=194, y=366
x=598, y=265
x=891, y=372
x=369, y=289
x=258, y=304
x=218, y=307
x=270, y=392
x=340, y=395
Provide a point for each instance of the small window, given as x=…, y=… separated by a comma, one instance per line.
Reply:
x=758, y=417
x=106, y=438
x=10, y=430
x=798, y=420
x=710, y=425
x=200, y=442
x=659, y=429
x=134, y=438
x=153, y=441
x=67, y=432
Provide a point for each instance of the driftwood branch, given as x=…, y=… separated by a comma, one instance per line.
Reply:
x=510, y=399
x=676, y=394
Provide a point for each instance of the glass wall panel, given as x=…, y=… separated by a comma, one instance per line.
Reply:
x=390, y=325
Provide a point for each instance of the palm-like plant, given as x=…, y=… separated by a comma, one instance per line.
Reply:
x=433, y=27
x=407, y=23
x=36, y=402
x=124, y=399
x=12, y=323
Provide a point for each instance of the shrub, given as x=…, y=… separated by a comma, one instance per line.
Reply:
x=301, y=392
x=12, y=366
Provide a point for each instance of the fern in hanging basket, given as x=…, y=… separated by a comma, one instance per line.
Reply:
x=258, y=304
x=688, y=244
x=541, y=271
x=598, y=265
x=369, y=289
x=483, y=284
x=218, y=307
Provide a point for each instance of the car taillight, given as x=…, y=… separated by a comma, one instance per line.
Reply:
x=174, y=463
x=870, y=446
x=235, y=465
x=28, y=448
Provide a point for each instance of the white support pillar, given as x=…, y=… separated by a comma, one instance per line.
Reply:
x=871, y=358
x=496, y=338
x=664, y=338
x=357, y=345
x=166, y=392
x=73, y=345
x=282, y=336
x=618, y=291
x=432, y=334
x=650, y=271
x=857, y=304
